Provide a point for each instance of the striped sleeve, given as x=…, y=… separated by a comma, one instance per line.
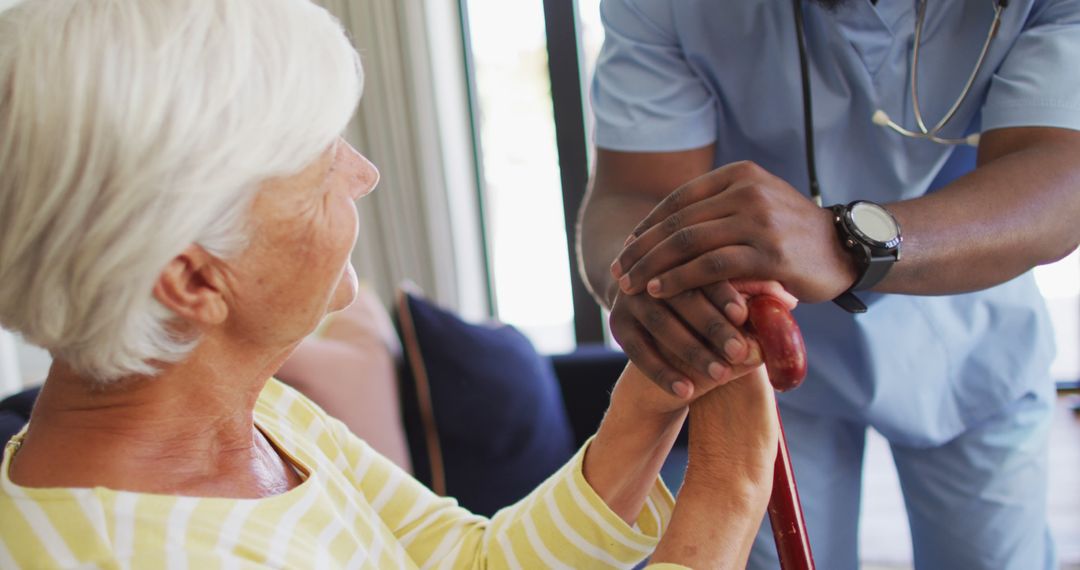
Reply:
x=561, y=524
x=565, y=524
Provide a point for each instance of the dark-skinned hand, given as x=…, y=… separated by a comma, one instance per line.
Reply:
x=691, y=342
x=735, y=222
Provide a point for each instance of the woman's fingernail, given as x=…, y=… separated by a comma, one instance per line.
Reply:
x=616, y=269
x=717, y=371
x=654, y=287
x=734, y=349
x=753, y=356
x=629, y=239
x=624, y=283
x=682, y=389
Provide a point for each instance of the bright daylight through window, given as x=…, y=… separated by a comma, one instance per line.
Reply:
x=526, y=235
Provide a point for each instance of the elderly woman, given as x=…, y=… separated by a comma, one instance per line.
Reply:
x=176, y=214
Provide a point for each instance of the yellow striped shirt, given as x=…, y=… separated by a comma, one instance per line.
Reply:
x=354, y=509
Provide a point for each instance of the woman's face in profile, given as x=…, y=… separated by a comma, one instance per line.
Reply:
x=297, y=266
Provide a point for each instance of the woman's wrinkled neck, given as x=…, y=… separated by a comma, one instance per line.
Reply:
x=190, y=423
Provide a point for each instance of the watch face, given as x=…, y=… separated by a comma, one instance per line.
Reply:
x=874, y=222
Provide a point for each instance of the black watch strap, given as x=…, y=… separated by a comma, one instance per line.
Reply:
x=850, y=303
x=872, y=275
x=875, y=270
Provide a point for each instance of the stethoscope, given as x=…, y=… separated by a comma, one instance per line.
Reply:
x=880, y=117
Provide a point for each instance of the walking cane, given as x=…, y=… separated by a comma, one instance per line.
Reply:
x=785, y=362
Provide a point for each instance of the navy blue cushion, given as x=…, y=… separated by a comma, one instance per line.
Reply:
x=15, y=412
x=483, y=411
x=586, y=377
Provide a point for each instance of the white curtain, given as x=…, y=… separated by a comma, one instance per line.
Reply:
x=10, y=380
x=422, y=148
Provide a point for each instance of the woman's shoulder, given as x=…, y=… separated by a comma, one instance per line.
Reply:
x=295, y=424
x=279, y=402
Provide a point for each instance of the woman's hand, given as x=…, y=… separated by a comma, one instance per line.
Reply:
x=643, y=421
x=733, y=442
x=637, y=433
x=734, y=434
x=734, y=428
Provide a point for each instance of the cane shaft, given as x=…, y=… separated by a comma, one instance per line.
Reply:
x=785, y=514
x=785, y=361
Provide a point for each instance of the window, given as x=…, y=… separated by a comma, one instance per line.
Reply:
x=522, y=189
x=1060, y=285
x=533, y=276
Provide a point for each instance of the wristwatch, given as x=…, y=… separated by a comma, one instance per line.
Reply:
x=871, y=234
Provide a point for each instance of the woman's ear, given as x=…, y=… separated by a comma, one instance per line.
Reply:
x=191, y=286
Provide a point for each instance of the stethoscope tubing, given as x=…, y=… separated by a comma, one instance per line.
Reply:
x=932, y=134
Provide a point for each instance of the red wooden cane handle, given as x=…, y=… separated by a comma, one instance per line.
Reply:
x=781, y=341
x=784, y=354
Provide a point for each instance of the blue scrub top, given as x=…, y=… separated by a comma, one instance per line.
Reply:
x=681, y=74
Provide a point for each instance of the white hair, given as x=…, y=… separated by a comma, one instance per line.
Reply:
x=132, y=129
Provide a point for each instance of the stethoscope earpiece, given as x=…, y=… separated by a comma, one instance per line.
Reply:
x=881, y=119
x=931, y=133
